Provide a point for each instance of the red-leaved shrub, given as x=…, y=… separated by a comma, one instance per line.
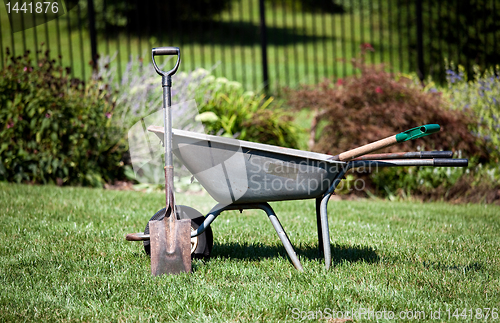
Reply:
x=373, y=105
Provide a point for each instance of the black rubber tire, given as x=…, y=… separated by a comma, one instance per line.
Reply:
x=205, y=240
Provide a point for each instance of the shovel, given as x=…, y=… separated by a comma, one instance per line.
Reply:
x=170, y=238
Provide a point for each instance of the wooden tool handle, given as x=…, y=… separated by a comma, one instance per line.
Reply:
x=410, y=134
x=350, y=154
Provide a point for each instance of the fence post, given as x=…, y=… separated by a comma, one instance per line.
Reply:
x=263, y=44
x=93, y=33
x=420, y=41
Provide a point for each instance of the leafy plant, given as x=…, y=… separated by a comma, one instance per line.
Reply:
x=481, y=95
x=229, y=111
x=364, y=108
x=375, y=104
x=224, y=107
x=56, y=129
x=139, y=92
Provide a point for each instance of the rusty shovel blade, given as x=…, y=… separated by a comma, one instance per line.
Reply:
x=170, y=241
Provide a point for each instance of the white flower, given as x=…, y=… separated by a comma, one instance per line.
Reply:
x=208, y=80
x=221, y=80
x=208, y=116
x=234, y=85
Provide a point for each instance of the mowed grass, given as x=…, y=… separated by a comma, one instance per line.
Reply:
x=64, y=258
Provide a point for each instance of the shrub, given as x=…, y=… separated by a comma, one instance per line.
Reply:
x=481, y=96
x=55, y=129
x=225, y=108
x=244, y=115
x=361, y=109
x=222, y=106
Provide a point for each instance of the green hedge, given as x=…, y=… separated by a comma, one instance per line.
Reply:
x=55, y=129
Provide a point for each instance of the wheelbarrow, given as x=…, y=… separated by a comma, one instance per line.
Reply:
x=242, y=175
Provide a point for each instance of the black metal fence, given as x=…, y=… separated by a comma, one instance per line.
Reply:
x=269, y=43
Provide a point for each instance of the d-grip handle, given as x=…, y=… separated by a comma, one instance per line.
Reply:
x=159, y=51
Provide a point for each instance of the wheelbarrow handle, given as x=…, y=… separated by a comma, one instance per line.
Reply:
x=407, y=155
x=160, y=51
x=448, y=162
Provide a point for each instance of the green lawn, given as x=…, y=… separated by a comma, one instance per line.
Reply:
x=64, y=258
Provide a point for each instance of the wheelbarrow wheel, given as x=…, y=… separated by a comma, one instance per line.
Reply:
x=201, y=246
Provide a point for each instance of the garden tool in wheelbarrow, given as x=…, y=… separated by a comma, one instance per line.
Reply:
x=170, y=237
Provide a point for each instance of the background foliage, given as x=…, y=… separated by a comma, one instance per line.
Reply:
x=480, y=94
x=225, y=108
x=229, y=111
x=56, y=129
x=361, y=109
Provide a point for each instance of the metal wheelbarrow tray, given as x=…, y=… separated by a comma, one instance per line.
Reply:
x=246, y=175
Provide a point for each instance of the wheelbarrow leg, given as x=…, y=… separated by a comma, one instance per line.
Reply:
x=323, y=215
x=325, y=231
x=216, y=210
x=282, y=234
x=321, y=251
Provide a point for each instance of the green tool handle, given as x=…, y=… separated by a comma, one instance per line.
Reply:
x=414, y=133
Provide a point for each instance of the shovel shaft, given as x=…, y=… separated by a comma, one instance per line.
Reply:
x=166, y=83
x=169, y=168
x=167, y=116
